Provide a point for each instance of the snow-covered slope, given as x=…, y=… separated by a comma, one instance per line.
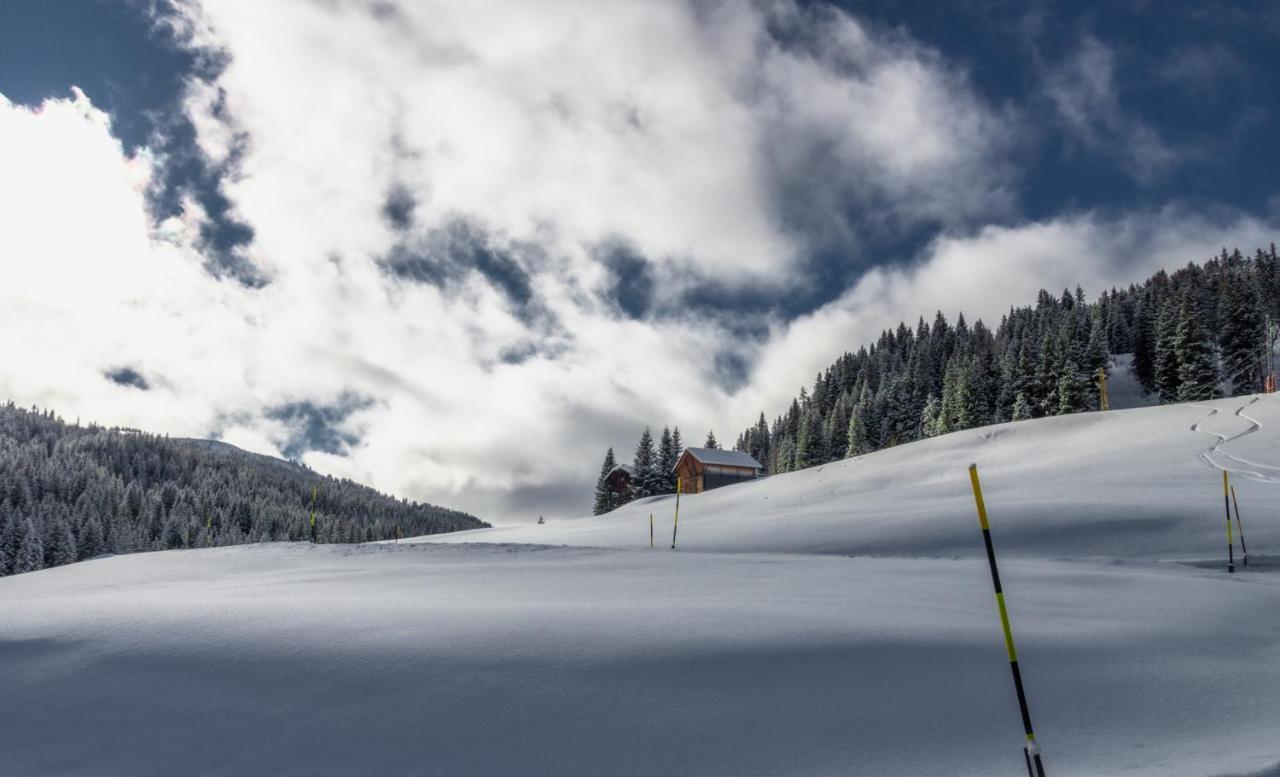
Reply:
x=1144, y=482
x=770, y=653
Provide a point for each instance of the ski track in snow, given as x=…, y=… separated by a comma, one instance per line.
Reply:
x=1214, y=455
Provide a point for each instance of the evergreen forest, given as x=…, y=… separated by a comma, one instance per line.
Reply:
x=71, y=492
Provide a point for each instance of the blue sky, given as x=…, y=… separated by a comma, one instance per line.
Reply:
x=394, y=217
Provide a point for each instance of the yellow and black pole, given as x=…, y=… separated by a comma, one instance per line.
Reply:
x=1226, y=501
x=675, y=527
x=1031, y=751
x=1244, y=552
x=313, y=515
x=1104, y=401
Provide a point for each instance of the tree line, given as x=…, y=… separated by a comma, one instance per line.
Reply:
x=70, y=492
x=1200, y=332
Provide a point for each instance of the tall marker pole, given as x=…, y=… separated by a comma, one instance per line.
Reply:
x=1031, y=751
x=1226, y=501
x=650, y=531
x=1104, y=400
x=313, y=515
x=1244, y=552
x=676, y=525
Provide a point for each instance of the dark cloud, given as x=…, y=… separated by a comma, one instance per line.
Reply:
x=127, y=376
x=731, y=370
x=316, y=427
x=446, y=256
x=399, y=207
x=631, y=281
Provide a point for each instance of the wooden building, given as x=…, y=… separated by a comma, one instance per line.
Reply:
x=702, y=469
x=619, y=480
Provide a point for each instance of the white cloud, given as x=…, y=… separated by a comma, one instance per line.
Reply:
x=690, y=134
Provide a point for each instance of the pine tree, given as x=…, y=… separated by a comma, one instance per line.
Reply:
x=646, y=479
x=1197, y=366
x=667, y=454
x=604, y=497
x=1243, y=337
x=810, y=450
x=30, y=550
x=1166, y=365
x=1073, y=390
x=10, y=539
x=172, y=535
x=91, y=542
x=1021, y=408
x=59, y=544
x=929, y=417
x=860, y=425
x=711, y=441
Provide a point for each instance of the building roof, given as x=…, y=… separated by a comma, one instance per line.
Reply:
x=723, y=458
x=627, y=468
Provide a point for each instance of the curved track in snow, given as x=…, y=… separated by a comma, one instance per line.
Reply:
x=1218, y=458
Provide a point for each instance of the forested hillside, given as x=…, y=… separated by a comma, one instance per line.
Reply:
x=1200, y=332
x=71, y=492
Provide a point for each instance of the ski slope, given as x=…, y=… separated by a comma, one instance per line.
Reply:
x=1140, y=483
x=837, y=621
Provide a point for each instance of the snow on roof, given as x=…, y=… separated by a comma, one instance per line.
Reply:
x=627, y=468
x=723, y=458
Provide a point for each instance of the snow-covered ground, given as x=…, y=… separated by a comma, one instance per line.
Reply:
x=1140, y=483
x=836, y=621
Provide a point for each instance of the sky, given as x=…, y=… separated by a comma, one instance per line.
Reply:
x=457, y=250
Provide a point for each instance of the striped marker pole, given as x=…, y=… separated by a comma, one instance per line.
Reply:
x=1226, y=501
x=1035, y=767
x=676, y=525
x=1244, y=552
x=650, y=531
x=313, y=515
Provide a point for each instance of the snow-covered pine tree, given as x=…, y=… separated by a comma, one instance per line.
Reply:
x=667, y=454
x=1242, y=331
x=810, y=448
x=59, y=544
x=1073, y=390
x=9, y=542
x=1166, y=365
x=1197, y=364
x=1021, y=408
x=30, y=549
x=90, y=542
x=604, y=501
x=646, y=479
x=861, y=422
x=929, y=417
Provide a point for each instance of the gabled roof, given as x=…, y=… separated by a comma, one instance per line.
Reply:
x=722, y=458
x=627, y=468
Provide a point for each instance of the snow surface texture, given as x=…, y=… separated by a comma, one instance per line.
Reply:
x=759, y=648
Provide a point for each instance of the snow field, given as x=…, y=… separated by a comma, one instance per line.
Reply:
x=834, y=621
